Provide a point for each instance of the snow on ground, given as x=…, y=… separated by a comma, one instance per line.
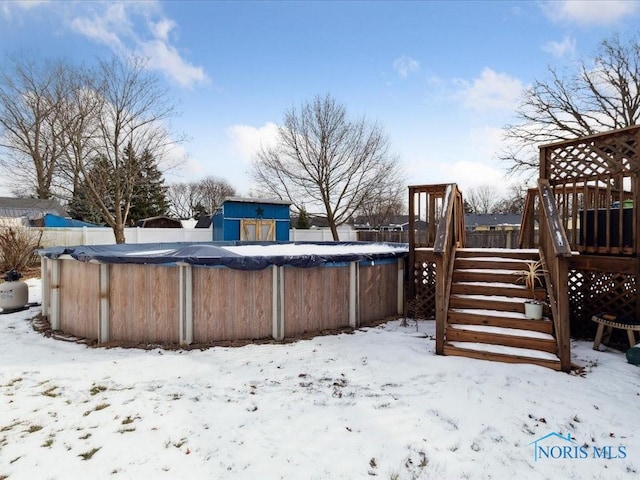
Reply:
x=377, y=403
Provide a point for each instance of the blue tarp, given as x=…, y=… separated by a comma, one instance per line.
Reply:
x=55, y=221
x=212, y=254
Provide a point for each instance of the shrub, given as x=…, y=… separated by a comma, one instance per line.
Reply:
x=18, y=245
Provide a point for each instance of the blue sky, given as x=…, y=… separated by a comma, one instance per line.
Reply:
x=442, y=78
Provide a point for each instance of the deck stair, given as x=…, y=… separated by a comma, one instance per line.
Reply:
x=485, y=318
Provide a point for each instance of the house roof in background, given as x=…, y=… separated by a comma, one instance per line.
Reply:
x=31, y=208
x=491, y=219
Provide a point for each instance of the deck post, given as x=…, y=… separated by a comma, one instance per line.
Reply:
x=563, y=334
x=440, y=312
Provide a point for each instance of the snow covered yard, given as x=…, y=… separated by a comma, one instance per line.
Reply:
x=373, y=404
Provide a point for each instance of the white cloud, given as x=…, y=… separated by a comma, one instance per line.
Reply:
x=404, y=65
x=471, y=174
x=590, y=12
x=140, y=29
x=566, y=47
x=491, y=91
x=247, y=140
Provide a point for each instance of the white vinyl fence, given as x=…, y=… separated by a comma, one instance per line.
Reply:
x=59, y=237
x=62, y=237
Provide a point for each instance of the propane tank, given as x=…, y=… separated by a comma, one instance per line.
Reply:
x=14, y=294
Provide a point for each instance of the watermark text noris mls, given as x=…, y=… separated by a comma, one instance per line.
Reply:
x=555, y=446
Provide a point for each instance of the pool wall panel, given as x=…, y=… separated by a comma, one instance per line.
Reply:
x=378, y=297
x=79, y=298
x=144, y=303
x=231, y=304
x=315, y=299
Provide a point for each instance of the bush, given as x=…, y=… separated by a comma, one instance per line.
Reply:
x=18, y=245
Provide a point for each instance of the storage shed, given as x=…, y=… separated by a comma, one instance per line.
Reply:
x=251, y=219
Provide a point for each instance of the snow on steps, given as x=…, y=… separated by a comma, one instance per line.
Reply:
x=509, y=337
x=486, y=318
x=502, y=353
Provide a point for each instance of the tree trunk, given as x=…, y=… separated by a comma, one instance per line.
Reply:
x=118, y=231
x=334, y=230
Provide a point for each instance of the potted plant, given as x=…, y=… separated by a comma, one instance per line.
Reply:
x=532, y=276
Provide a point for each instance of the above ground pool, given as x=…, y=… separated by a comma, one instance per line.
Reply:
x=205, y=293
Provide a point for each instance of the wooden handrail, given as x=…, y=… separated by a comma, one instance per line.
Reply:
x=554, y=253
x=553, y=224
x=449, y=235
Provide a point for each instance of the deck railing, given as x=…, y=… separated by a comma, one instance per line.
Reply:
x=555, y=253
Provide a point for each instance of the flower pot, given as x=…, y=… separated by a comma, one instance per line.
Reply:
x=533, y=310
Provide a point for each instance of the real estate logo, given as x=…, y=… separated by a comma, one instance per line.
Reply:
x=554, y=446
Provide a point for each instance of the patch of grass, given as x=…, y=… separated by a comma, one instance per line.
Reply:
x=48, y=442
x=50, y=392
x=97, y=408
x=127, y=420
x=85, y=436
x=34, y=428
x=127, y=430
x=96, y=389
x=180, y=442
x=11, y=384
x=6, y=428
x=89, y=454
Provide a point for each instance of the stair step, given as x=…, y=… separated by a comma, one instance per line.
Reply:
x=500, y=353
x=498, y=319
x=492, y=263
x=510, y=337
x=487, y=302
x=523, y=254
x=492, y=288
x=486, y=275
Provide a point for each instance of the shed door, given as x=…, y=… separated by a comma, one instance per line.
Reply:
x=252, y=230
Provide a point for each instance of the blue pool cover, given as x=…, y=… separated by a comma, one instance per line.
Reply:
x=296, y=254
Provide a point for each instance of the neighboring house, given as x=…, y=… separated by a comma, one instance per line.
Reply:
x=397, y=223
x=489, y=222
x=23, y=211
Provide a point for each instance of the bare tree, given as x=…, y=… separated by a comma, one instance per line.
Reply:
x=481, y=199
x=184, y=199
x=514, y=200
x=383, y=203
x=324, y=160
x=213, y=191
x=601, y=93
x=129, y=122
x=30, y=98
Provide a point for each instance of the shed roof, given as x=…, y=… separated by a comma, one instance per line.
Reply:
x=270, y=201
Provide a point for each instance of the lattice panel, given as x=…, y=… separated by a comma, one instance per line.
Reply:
x=592, y=292
x=424, y=303
x=611, y=154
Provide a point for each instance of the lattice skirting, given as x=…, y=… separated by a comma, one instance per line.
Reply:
x=424, y=303
x=591, y=293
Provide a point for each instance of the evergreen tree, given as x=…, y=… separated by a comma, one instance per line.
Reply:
x=303, y=220
x=149, y=197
